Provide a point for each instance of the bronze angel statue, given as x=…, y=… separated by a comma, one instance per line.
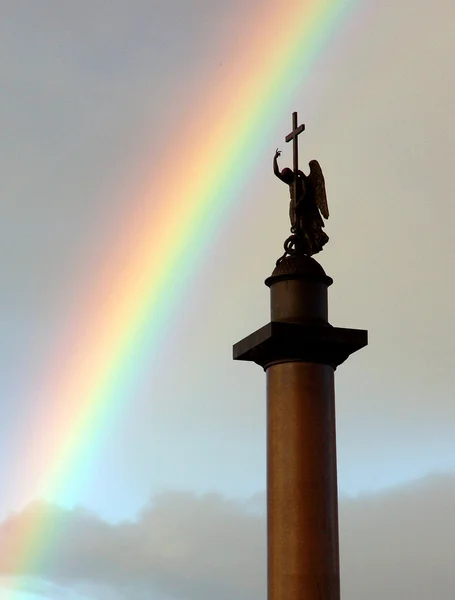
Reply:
x=308, y=203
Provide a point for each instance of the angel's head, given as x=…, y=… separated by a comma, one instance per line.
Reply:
x=287, y=175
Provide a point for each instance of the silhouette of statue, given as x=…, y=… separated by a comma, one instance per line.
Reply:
x=308, y=203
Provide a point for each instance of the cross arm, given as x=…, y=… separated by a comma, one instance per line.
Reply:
x=295, y=133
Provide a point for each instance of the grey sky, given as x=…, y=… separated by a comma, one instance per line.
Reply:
x=93, y=95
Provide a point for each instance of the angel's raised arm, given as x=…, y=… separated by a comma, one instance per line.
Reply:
x=276, y=168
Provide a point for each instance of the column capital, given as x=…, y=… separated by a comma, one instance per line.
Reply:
x=279, y=342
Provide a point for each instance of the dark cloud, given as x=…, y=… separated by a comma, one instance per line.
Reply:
x=398, y=544
x=181, y=546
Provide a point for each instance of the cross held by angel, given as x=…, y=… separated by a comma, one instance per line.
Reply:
x=308, y=198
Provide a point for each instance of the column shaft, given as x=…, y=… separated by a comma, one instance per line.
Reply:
x=303, y=555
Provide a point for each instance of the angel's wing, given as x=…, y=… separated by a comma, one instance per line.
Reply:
x=318, y=185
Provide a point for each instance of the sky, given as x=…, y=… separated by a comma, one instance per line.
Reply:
x=105, y=105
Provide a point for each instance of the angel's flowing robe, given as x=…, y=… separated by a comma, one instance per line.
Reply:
x=305, y=216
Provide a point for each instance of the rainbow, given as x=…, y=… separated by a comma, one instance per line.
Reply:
x=138, y=290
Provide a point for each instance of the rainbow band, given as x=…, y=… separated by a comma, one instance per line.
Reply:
x=136, y=302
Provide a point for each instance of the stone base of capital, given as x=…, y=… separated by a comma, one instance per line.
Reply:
x=279, y=342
